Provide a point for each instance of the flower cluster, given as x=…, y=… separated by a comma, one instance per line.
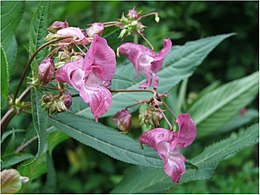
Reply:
x=83, y=60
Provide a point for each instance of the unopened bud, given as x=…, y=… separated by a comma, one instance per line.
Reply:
x=140, y=27
x=11, y=181
x=124, y=20
x=67, y=101
x=122, y=120
x=157, y=18
x=96, y=28
x=134, y=23
x=151, y=117
x=57, y=25
x=76, y=57
x=64, y=55
x=46, y=71
x=133, y=14
x=123, y=33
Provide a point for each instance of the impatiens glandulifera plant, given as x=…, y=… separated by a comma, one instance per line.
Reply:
x=79, y=65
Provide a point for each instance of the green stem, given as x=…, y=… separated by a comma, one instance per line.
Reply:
x=150, y=45
x=11, y=112
x=25, y=72
x=149, y=14
x=169, y=109
x=166, y=119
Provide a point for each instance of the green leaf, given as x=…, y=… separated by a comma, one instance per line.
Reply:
x=105, y=139
x=51, y=182
x=240, y=120
x=179, y=64
x=55, y=138
x=4, y=74
x=11, y=14
x=14, y=159
x=38, y=30
x=40, y=121
x=34, y=170
x=215, y=109
x=10, y=132
x=152, y=180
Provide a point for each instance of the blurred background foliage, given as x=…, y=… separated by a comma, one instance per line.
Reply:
x=81, y=169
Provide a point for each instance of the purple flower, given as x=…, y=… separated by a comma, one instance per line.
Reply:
x=76, y=33
x=46, y=71
x=168, y=144
x=146, y=60
x=122, y=120
x=67, y=101
x=95, y=28
x=57, y=25
x=92, y=75
x=133, y=14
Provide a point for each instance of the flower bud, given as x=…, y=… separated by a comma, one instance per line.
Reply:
x=157, y=18
x=123, y=33
x=11, y=181
x=151, y=117
x=57, y=25
x=122, y=120
x=96, y=28
x=77, y=36
x=56, y=103
x=133, y=14
x=46, y=71
x=67, y=101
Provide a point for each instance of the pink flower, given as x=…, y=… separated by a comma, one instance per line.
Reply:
x=76, y=33
x=146, y=60
x=95, y=28
x=122, y=120
x=46, y=71
x=168, y=144
x=92, y=75
x=133, y=14
x=57, y=25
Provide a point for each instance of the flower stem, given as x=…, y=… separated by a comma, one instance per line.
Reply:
x=136, y=104
x=149, y=14
x=25, y=72
x=166, y=119
x=150, y=45
x=168, y=108
x=11, y=112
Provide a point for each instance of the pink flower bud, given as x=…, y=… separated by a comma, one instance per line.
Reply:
x=67, y=101
x=133, y=14
x=122, y=120
x=96, y=28
x=46, y=71
x=76, y=34
x=57, y=25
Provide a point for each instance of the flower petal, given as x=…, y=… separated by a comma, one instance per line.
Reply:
x=153, y=137
x=76, y=33
x=158, y=61
x=102, y=57
x=175, y=166
x=133, y=52
x=98, y=98
x=187, y=130
x=72, y=74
